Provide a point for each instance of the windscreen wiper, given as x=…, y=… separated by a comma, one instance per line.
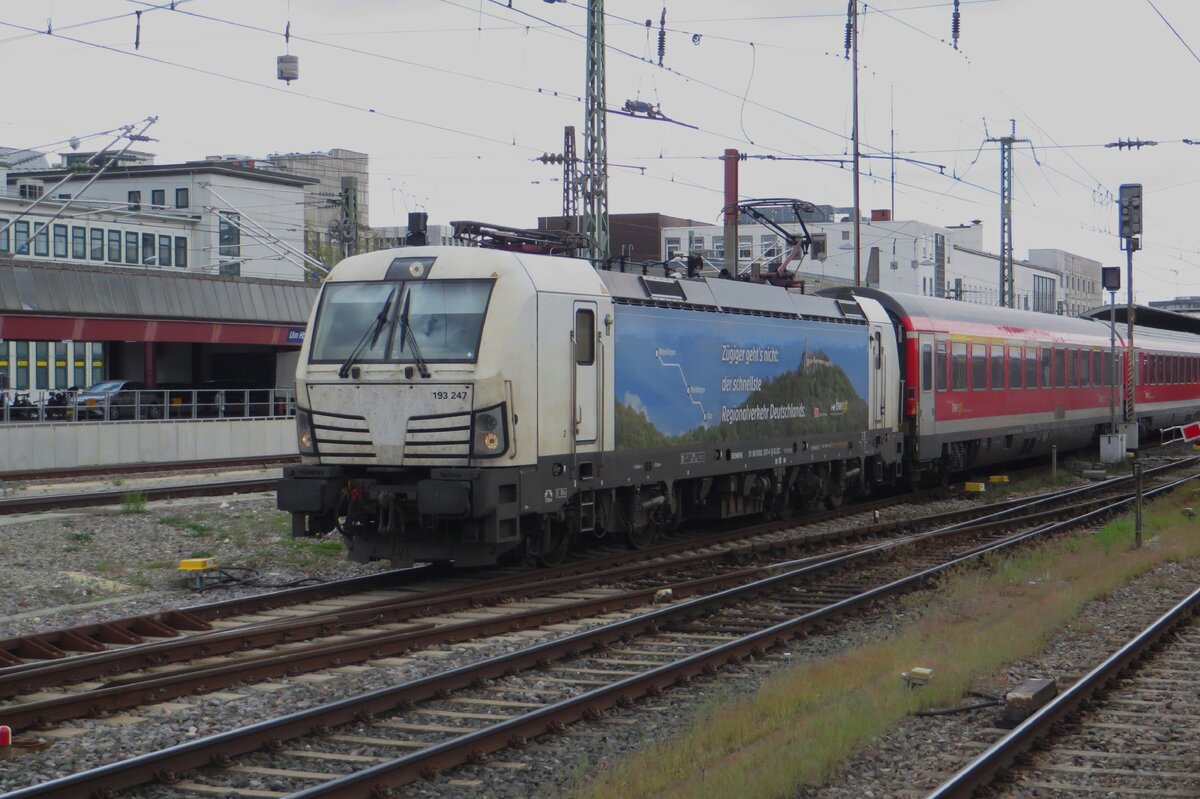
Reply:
x=407, y=334
x=371, y=336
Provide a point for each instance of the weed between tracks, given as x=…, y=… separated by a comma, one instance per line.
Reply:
x=805, y=720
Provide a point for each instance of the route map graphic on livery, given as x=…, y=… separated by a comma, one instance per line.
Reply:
x=684, y=377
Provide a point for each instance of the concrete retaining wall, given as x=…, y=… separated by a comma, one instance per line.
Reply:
x=53, y=446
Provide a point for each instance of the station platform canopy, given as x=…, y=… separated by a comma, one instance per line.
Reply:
x=1145, y=316
x=48, y=302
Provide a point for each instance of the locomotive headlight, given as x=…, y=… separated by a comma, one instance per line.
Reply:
x=487, y=432
x=304, y=434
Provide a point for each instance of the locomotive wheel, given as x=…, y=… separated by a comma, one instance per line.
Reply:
x=834, y=501
x=554, y=542
x=642, y=535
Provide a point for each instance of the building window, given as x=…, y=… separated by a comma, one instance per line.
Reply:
x=21, y=238
x=97, y=361
x=97, y=244
x=158, y=198
x=79, y=361
x=41, y=239
x=60, y=241
x=148, y=256
x=719, y=247
x=131, y=248
x=60, y=364
x=30, y=191
x=698, y=244
x=1043, y=294
x=114, y=246
x=672, y=247
x=745, y=246
x=78, y=242
x=135, y=201
x=181, y=251
x=769, y=243
x=22, y=371
x=181, y=198
x=4, y=236
x=41, y=365
x=164, y=250
x=229, y=235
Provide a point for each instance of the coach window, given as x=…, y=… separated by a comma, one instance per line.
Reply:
x=585, y=337
x=1060, y=368
x=114, y=245
x=181, y=251
x=164, y=250
x=78, y=242
x=131, y=248
x=1014, y=367
x=1031, y=367
x=60, y=241
x=926, y=367
x=1097, y=367
x=1085, y=368
x=1159, y=370
x=181, y=198
x=942, y=366
x=97, y=244
x=958, y=366
x=997, y=367
x=1046, y=355
x=979, y=368
x=1072, y=360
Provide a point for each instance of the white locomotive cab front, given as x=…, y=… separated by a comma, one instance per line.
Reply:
x=407, y=405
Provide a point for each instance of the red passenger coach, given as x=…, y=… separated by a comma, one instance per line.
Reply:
x=984, y=384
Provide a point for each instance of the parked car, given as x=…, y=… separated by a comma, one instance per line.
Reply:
x=117, y=399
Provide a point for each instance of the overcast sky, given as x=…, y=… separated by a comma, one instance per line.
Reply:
x=452, y=100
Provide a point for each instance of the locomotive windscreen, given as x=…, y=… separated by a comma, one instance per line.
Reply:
x=434, y=320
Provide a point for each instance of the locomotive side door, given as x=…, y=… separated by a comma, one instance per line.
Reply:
x=586, y=364
x=927, y=360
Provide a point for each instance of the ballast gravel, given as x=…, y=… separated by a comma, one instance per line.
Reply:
x=139, y=550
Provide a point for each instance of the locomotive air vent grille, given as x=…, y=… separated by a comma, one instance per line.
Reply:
x=341, y=436
x=438, y=440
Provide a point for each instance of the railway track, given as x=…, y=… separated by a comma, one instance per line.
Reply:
x=1127, y=728
x=115, y=496
x=460, y=715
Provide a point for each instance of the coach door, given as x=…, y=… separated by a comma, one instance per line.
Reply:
x=586, y=366
x=927, y=357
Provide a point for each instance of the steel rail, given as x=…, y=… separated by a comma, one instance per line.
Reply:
x=1005, y=752
x=31, y=504
x=220, y=748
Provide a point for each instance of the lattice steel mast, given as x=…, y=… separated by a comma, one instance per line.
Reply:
x=595, y=139
x=1007, y=298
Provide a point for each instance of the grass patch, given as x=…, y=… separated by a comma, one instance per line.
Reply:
x=133, y=502
x=826, y=708
x=309, y=552
x=117, y=481
x=181, y=523
x=81, y=538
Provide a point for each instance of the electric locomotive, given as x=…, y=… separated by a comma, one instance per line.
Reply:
x=469, y=405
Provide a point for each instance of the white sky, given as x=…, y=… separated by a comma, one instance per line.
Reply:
x=466, y=92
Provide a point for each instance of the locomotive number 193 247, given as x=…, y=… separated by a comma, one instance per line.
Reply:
x=448, y=395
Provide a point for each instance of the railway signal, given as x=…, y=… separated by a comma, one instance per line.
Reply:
x=1130, y=229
